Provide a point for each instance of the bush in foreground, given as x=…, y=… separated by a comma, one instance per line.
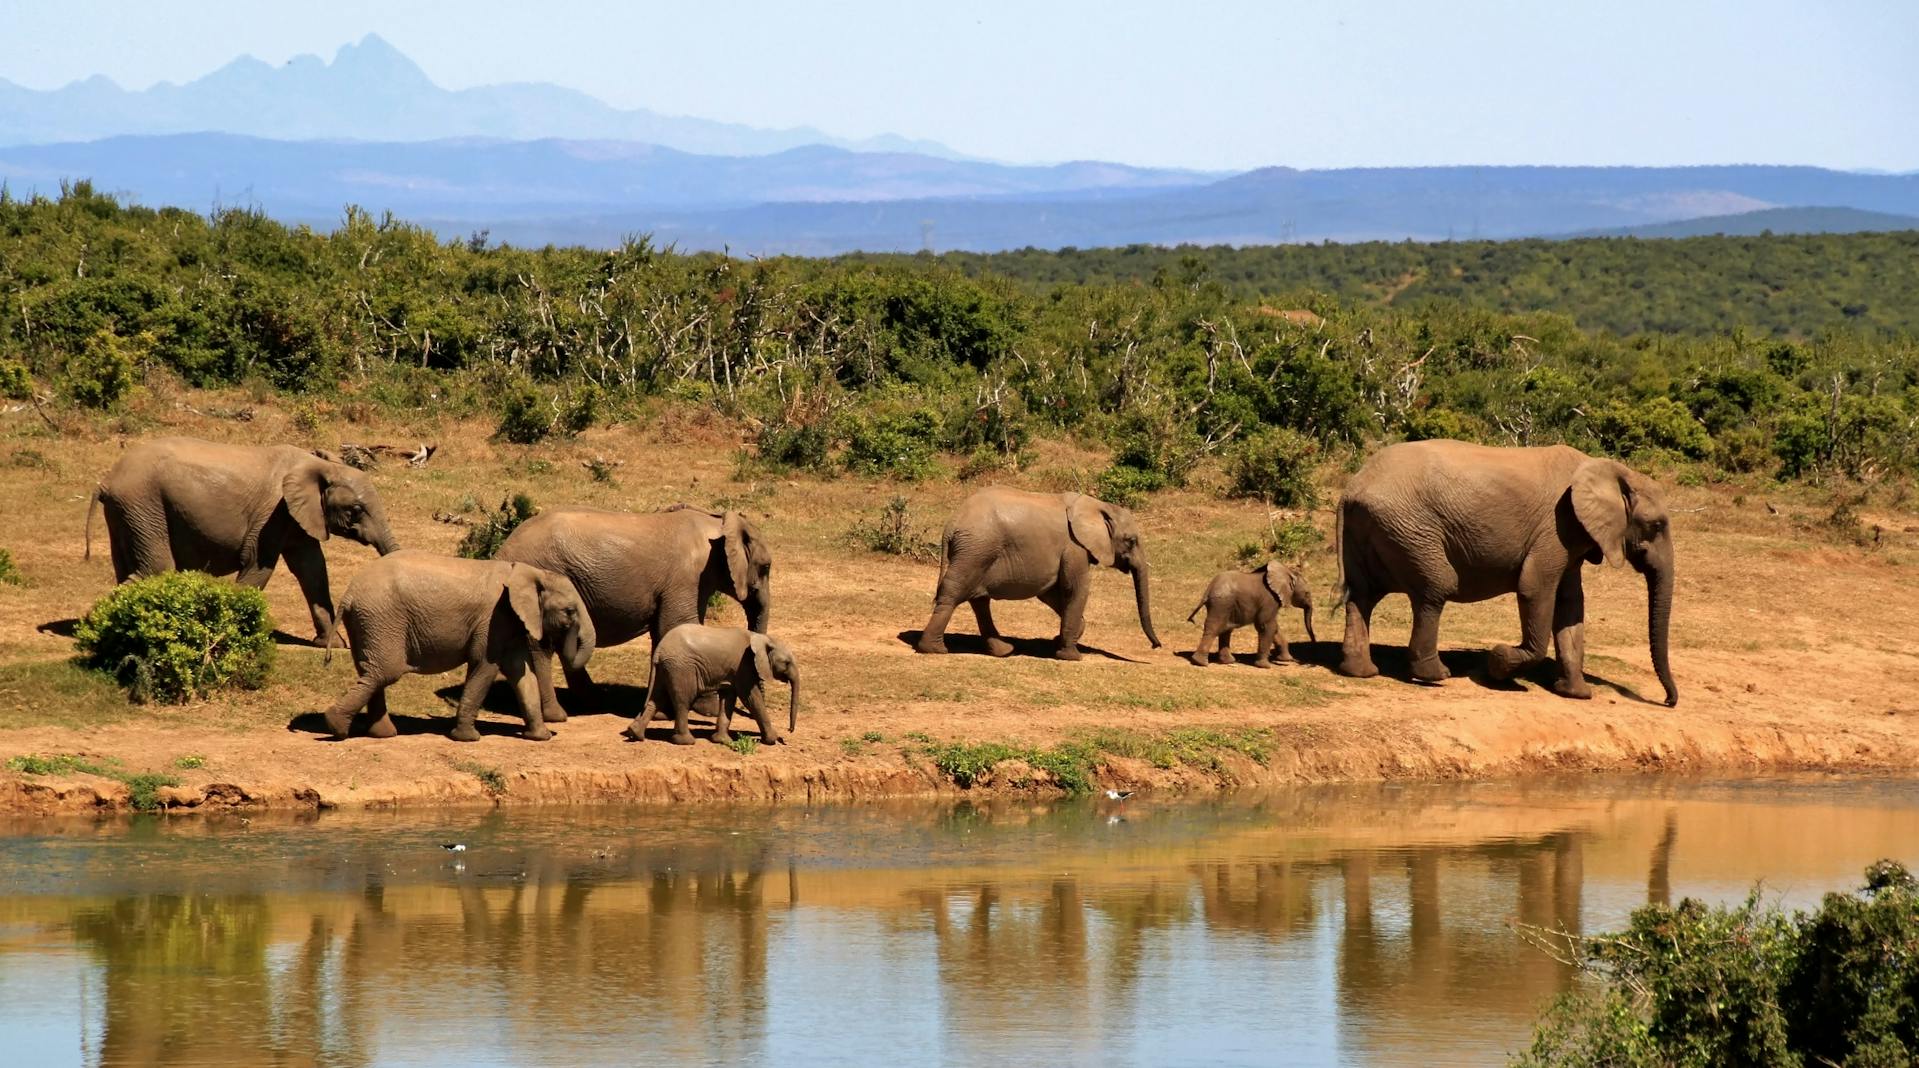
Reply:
x=1693, y=984
x=177, y=636
x=485, y=537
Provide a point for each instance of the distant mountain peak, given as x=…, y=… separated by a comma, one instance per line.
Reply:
x=373, y=56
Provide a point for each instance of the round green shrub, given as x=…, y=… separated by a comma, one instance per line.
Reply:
x=102, y=372
x=1276, y=465
x=179, y=635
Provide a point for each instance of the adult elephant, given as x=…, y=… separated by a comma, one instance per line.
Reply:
x=1449, y=521
x=1008, y=545
x=645, y=573
x=191, y=505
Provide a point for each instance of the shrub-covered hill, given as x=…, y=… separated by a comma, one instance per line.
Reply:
x=1779, y=355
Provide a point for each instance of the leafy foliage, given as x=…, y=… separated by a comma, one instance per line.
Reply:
x=892, y=534
x=1276, y=466
x=10, y=573
x=1701, y=985
x=484, y=538
x=177, y=636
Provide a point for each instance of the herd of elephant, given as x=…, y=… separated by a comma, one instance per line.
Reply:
x=1438, y=521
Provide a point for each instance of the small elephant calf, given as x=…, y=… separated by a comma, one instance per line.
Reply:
x=417, y=612
x=1236, y=598
x=695, y=660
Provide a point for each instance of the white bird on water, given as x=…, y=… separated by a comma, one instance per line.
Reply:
x=1118, y=795
x=453, y=847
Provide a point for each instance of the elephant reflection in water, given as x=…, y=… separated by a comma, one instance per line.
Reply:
x=185, y=980
x=1427, y=971
x=1272, y=898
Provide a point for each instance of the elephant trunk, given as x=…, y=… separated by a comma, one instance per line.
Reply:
x=793, y=705
x=1306, y=613
x=1143, y=598
x=383, y=539
x=759, y=609
x=578, y=647
x=1659, y=626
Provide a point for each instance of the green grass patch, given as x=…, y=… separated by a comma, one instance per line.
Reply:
x=743, y=744
x=492, y=780
x=143, y=788
x=190, y=762
x=1072, y=764
x=61, y=693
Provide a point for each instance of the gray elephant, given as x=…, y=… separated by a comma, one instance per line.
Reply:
x=645, y=573
x=1449, y=521
x=1239, y=598
x=235, y=510
x=413, y=612
x=1008, y=545
x=695, y=660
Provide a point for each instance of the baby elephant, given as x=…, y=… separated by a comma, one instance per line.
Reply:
x=418, y=612
x=1236, y=598
x=695, y=660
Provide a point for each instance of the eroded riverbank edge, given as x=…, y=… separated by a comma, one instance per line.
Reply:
x=252, y=770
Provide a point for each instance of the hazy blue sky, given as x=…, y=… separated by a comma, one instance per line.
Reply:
x=1311, y=83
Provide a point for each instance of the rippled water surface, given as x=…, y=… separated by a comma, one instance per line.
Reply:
x=1350, y=925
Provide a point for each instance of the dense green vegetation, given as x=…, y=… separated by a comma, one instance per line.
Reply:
x=178, y=636
x=1693, y=984
x=1771, y=356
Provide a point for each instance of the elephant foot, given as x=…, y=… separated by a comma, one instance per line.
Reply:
x=1285, y=659
x=1503, y=662
x=382, y=728
x=723, y=738
x=1198, y=658
x=634, y=733
x=540, y=734
x=1577, y=689
x=1354, y=667
x=465, y=733
x=338, y=727
x=1262, y=664
x=1430, y=669
x=556, y=714
x=998, y=646
x=932, y=648
x=1225, y=658
x=1068, y=651
x=681, y=738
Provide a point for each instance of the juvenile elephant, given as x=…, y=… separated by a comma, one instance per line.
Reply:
x=1237, y=598
x=1449, y=521
x=414, y=612
x=235, y=510
x=645, y=573
x=1008, y=545
x=696, y=660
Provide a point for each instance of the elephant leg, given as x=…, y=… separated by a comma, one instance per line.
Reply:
x=710, y=705
x=1267, y=633
x=682, y=734
x=526, y=688
x=1424, y=646
x=550, y=708
x=1356, y=658
x=1535, y=629
x=723, y=718
x=1072, y=619
x=756, y=704
x=339, y=718
x=479, y=679
x=1569, y=637
x=1207, y=636
x=636, y=730
x=378, y=723
x=308, y=564
x=933, y=638
x=1223, y=654
x=983, y=612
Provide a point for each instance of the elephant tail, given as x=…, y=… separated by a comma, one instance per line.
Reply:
x=93, y=505
x=1339, y=554
x=1195, y=611
x=337, y=636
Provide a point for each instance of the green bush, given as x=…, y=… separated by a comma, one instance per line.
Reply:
x=1656, y=424
x=1290, y=540
x=177, y=636
x=1693, y=984
x=892, y=534
x=1276, y=466
x=102, y=372
x=528, y=416
x=795, y=446
x=1159, y=443
x=900, y=444
x=1127, y=486
x=9, y=571
x=485, y=537
x=15, y=382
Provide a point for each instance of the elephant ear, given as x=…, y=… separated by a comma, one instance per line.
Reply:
x=1091, y=525
x=1278, y=580
x=1599, y=501
x=523, y=592
x=760, y=663
x=737, y=533
x=304, y=490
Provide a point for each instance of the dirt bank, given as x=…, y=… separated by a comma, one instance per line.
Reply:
x=1793, y=650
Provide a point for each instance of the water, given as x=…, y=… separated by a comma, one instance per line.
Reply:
x=1369, y=925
